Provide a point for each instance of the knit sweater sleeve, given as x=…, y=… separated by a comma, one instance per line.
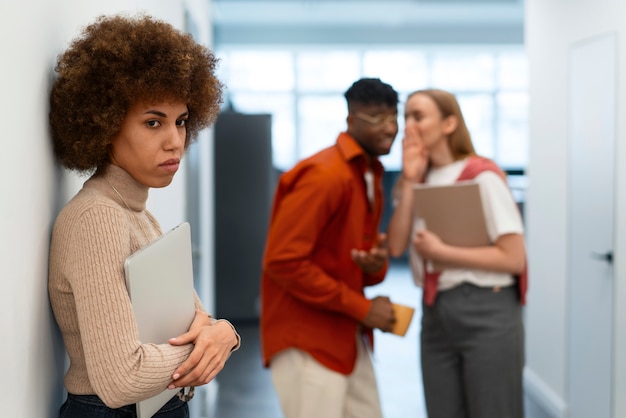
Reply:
x=122, y=370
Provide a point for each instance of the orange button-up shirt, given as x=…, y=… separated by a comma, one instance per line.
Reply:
x=312, y=291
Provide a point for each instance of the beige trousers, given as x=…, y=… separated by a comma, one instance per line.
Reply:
x=307, y=389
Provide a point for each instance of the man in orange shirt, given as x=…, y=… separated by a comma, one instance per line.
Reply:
x=323, y=248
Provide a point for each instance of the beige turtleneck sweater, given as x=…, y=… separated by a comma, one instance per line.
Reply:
x=93, y=235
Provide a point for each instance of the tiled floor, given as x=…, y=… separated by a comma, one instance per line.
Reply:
x=245, y=387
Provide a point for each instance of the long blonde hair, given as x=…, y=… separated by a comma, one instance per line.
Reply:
x=460, y=141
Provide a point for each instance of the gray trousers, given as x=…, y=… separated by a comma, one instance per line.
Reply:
x=472, y=349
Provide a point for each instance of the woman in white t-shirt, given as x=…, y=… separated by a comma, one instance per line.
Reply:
x=472, y=337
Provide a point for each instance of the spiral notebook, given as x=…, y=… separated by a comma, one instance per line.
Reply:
x=159, y=279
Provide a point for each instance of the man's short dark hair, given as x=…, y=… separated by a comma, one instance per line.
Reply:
x=368, y=91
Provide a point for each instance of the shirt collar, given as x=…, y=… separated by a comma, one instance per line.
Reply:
x=350, y=149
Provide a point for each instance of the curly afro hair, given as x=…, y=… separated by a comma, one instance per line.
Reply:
x=118, y=61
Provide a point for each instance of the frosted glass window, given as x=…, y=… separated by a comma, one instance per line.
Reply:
x=478, y=114
x=335, y=70
x=281, y=107
x=404, y=70
x=512, y=129
x=518, y=186
x=512, y=71
x=303, y=90
x=320, y=120
x=270, y=71
x=463, y=71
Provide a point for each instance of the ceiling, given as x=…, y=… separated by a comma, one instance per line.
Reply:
x=368, y=21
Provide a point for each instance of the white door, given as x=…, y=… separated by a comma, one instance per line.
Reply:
x=592, y=107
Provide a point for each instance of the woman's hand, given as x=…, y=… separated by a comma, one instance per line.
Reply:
x=507, y=254
x=414, y=166
x=414, y=155
x=428, y=245
x=213, y=342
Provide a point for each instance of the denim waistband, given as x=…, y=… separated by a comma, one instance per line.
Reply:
x=95, y=400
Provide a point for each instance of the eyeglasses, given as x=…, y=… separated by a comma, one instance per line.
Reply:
x=377, y=120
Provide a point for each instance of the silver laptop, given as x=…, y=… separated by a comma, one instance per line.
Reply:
x=159, y=279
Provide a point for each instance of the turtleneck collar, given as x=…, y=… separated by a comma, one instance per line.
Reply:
x=131, y=192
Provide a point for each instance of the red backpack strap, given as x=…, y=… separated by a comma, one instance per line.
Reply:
x=476, y=165
x=431, y=285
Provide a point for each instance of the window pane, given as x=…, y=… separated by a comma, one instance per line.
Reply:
x=491, y=85
x=478, y=113
x=280, y=106
x=404, y=70
x=258, y=71
x=335, y=70
x=512, y=70
x=463, y=71
x=512, y=129
x=320, y=120
x=518, y=185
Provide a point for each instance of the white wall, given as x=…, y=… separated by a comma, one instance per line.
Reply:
x=32, y=33
x=551, y=27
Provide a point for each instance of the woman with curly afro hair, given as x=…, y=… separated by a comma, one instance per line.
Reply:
x=130, y=96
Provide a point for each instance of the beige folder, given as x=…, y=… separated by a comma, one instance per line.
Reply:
x=453, y=212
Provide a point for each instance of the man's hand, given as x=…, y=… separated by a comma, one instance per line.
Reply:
x=373, y=260
x=381, y=314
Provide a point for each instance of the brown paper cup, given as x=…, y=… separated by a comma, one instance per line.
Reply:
x=404, y=314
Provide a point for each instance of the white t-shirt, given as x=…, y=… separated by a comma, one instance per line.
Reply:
x=501, y=215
